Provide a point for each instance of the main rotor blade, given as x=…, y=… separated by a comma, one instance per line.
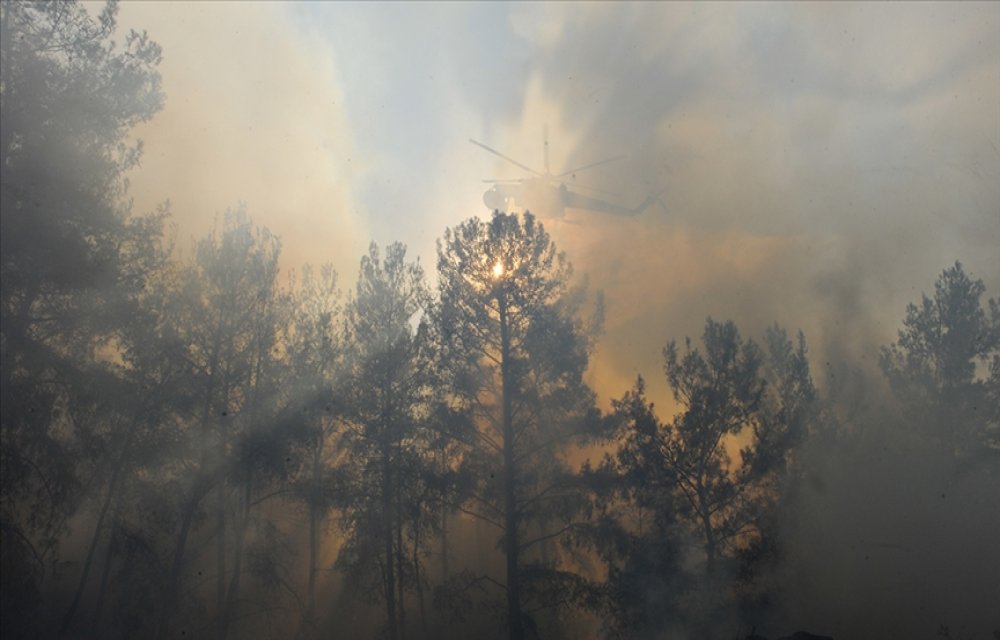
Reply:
x=505, y=180
x=510, y=160
x=588, y=166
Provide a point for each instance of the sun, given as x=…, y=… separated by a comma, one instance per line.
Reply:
x=498, y=269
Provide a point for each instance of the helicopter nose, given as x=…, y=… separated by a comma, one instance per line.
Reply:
x=493, y=200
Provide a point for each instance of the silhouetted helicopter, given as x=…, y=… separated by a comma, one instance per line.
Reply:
x=547, y=194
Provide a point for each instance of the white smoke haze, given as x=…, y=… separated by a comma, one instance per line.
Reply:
x=815, y=160
x=254, y=114
x=814, y=165
x=807, y=155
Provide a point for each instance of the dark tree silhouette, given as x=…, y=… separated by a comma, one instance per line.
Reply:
x=673, y=484
x=313, y=343
x=73, y=260
x=634, y=527
x=721, y=392
x=227, y=315
x=512, y=326
x=945, y=365
x=383, y=402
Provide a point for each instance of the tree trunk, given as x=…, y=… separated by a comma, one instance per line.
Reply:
x=234, y=584
x=387, y=535
x=172, y=597
x=515, y=626
x=400, y=560
x=314, y=522
x=417, y=578
x=709, y=531
x=220, y=556
x=200, y=489
x=98, y=529
x=102, y=590
x=444, y=546
x=444, y=523
x=709, y=548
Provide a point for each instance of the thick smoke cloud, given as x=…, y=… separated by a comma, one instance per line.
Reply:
x=818, y=164
x=254, y=114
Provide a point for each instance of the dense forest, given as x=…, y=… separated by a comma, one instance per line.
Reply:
x=196, y=444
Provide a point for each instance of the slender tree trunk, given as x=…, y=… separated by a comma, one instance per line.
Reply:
x=444, y=546
x=313, y=548
x=709, y=548
x=106, y=572
x=387, y=535
x=400, y=560
x=201, y=488
x=445, y=572
x=220, y=556
x=417, y=577
x=712, y=586
x=220, y=513
x=232, y=597
x=125, y=603
x=172, y=596
x=709, y=532
x=314, y=522
x=91, y=549
x=98, y=530
x=511, y=548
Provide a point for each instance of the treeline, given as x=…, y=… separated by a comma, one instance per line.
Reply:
x=201, y=448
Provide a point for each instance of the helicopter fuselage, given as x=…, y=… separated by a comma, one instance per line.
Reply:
x=536, y=195
x=542, y=197
x=545, y=194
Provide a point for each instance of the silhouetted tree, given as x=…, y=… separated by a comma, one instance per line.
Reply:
x=313, y=345
x=634, y=525
x=383, y=403
x=721, y=392
x=261, y=442
x=672, y=484
x=945, y=365
x=152, y=394
x=73, y=260
x=512, y=329
x=791, y=414
x=227, y=320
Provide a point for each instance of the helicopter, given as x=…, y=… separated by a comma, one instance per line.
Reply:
x=548, y=194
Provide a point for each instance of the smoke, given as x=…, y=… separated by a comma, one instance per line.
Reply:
x=817, y=166
x=889, y=538
x=814, y=161
x=254, y=114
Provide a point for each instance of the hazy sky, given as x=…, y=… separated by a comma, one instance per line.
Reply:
x=820, y=164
